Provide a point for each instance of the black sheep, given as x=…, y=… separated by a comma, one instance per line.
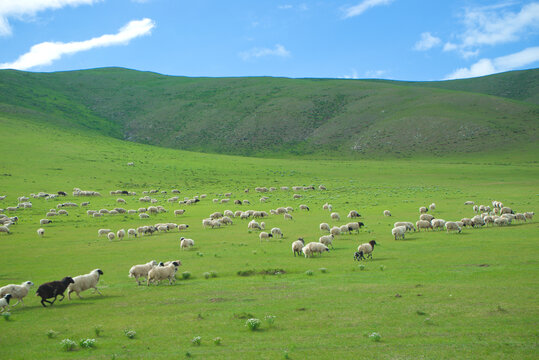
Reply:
x=62, y=193
x=53, y=289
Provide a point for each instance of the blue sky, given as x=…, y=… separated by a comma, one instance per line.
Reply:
x=392, y=39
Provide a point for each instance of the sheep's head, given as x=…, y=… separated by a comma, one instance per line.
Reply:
x=28, y=284
x=7, y=297
x=360, y=224
x=372, y=242
x=176, y=263
x=68, y=280
x=98, y=271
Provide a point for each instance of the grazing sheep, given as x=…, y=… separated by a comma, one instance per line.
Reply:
x=423, y=224
x=52, y=289
x=344, y=229
x=297, y=246
x=355, y=226
x=452, y=226
x=437, y=224
x=63, y=212
x=45, y=221
x=141, y=271
x=466, y=221
x=143, y=216
x=84, y=282
x=477, y=220
x=182, y=227
x=469, y=202
x=304, y=207
x=179, y=212
x=335, y=216
x=288, y=217
x=186, y=243
x=398, y=232
x=276, y=231
x=387, y=213
x=502, y=221
x=506, y=210
x=313, y=247
x=4, y=229
x=103, y=232
x=427, y=217
x=529, y=215
x=264, y=235
x=364, y=249
x=120, y=234
x=321, y=187
x=432, y=206
x=326, y=240
x=111, y=236
x=423, y=210
x=254, y=225
x=324, y=227
x=409, y=226
x=18, y=292
x=335, y=231
x=131, y=232
x=159, y=273
x=41, y=232
x=475, y=208
x=4, y=302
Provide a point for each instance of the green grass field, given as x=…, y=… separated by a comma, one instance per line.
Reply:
x=469, y=295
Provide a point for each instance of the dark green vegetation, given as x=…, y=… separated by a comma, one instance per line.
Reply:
x=434, y=295
x=279, y=117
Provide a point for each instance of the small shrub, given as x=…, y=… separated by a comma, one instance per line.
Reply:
x=51, y=334
x=375, y=337
x=130, y=333
x=245, y=272
x=188, y=354
x=323, y=270
x=217, y=341
x=309, y=272
x=196, y=340
x=206, y=275
x=213, y=274
x=98, y=329
x=253, y=324
x=186, y=275
x=68, y=345
x=200, y=254
x=6, y=316
x=419, y=312
x=87, y=343
x=382, y=267
x=270, y=319
x=361, y=267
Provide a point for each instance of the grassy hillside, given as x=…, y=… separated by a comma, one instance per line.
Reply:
x=280, y=117
x=433, y=295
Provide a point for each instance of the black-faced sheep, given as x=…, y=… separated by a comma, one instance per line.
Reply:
x=53, y=289
x=84, y=282
x=364, y=249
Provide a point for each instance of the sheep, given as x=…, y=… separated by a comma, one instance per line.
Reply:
x=398, y=232
x=186, y=243
x=423, y=224
x=326, y=240
x=297, y=196
x=18, y=292
x=138, y=271
x=355, y=226
x=264, y=235
x=466, y=221
x=120, y=234
x=364, y=249
x=387, y=213
x=84, y=282
x=452, y=225
x=52, y=289
x=344, y=229
x=131, y=232
x=297, y=246
x=111, y=236
x=529, y=215
x=304, y=207
x=254, y=225
x=423, y=210
x=276, y=231
x=179, y=212
x=437, y=223
x=321, y=187
x=45, y=221
x=288, y=217
x=324, y=227
x=335, y=216
x=103, y=232
x=159, y=273
x=143, y=216
x=289, y=209
x=5, y=229
x=502, y=221
x=228, y=213
x=469, y=202
x=4, y=302
x=506, y=210
x=182, y=227
x=409, y=226
x=41, y=232
x=432, y=206
x=427, y=217
x=477, y=221
x=475, y=208
x=63, y=212
x=313, y=247
x=335, y=231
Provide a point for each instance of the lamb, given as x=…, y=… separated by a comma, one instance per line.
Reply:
x=41, y=232
x=335, y=231
x=52, y=289
x=297, y=246
x=423, y=210
x=111, y=236
x=387, y=213
x=364, y=249
x=313, y=247
x=131, y=232
x=186, y=243
x=423, y=224
x=398, y=232
x=427, y=217
x=120, y=234
x=452, y=226
x=159, y=273
x=18, y=292
x=84, y=282
x=324, y=227
x=4, y=302
x=103, y=232
x=432, y=206
x=276, y=231
x=138, y=271
x=264, y=235
x=326, y=240
x=45, y=221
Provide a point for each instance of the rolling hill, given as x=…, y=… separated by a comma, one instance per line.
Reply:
x=280, y=117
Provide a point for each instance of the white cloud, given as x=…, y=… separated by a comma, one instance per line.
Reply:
x=503, y=63
x=427, y=42
x=364, y=6
x=284, y=7
x=375, y=74
x=279, y=50
x=353, y=75
x=47, y=52
x=450, y=46
x=22, y=8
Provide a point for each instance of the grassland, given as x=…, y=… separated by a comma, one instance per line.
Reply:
x=469, y=295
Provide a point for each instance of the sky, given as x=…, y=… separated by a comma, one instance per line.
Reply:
x=417, y=40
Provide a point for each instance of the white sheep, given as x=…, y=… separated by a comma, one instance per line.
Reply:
x=335, y=231
x=423, y=224
x=335, y=216
x=41, y=232
x=437, y=224
x=324, y=227
x=84, y=282
x=179, y=212
x=131, y=232
x=423, y=210
x=297, y=246
x=45, y=221
x=469, y=202
x=103, y=232
x=409, y=226
x=276, y=231
x=427, y=217
x=4, y=302
x=158, y=273
x=304, y=207
x=141, y=271
x=365, y=249
x=4, y=229
x=143, y=216
x=264, y=235
x=529, y=215
x=355, y=226
x=398, y=232
x=452, y=226
x=186, y=243
x=254, y=225
x=182, y=227
x=111, y=236
x=288, y=217
x=18, y=292
x=432, y=206
x=314, y=247
x=344, y=229
x=326, y=240
x=387, y=213
x=120, y=234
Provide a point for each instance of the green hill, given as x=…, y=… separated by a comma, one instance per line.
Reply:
x=284, y=117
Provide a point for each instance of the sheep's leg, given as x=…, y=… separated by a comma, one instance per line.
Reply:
x=18, y=301
x=52, y=301
x=98, y=291
x=63, y=296
x=69, y=294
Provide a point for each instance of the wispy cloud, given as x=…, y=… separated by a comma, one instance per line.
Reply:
x=375, y=74
x=363, y=6
x=353, y=75
x=23, y=8
x=503, y=63
x=284, y=7
x=279, y=50
x=47, y=52
x=427, y=42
